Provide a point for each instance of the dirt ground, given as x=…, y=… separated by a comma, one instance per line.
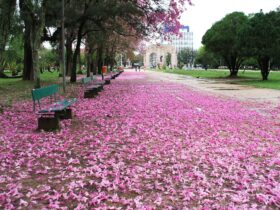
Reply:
x=221, y=88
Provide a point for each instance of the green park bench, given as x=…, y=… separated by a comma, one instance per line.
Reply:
x=115, y=73
x=50, y=111
x=91, y=86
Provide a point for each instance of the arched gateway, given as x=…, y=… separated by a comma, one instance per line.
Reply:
x=155, y=56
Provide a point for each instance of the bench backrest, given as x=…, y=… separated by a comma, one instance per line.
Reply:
x=43, y=92
x=86, y=80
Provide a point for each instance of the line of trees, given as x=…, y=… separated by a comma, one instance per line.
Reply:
x=104, y=27
x=238, y=38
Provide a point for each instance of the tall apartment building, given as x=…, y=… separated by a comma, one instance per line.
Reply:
x=184, y=40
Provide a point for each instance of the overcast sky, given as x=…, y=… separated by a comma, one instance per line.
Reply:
x=205, y=13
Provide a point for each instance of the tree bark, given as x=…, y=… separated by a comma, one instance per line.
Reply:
x=233, y=72
x=61, y=64
x=34, y=22
x=89, y=56
x=28, y=72
x=94, y=68
x=233, y=65
x=99, y=59
x=69, y=54
x=76, y=53
x=264, y=66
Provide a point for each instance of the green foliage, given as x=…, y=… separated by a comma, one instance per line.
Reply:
x=134, y=58
x=186, y=56
x=47, y=58
x=168, y=59
x=7, y=10
x=207, y=59
x=223, y=39
x=261, y=38
x=250, y=63
x=14, y=54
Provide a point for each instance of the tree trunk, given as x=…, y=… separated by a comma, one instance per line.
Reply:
x=94, y=68
x=79, y=67
x=61, y=64
x=233, y=72
x=69, y=55
x=232, y=64
x=2, y=64
x=264, y=66
x=76, y=53
x=89, y=60
x=37, y=31
x=34, y=22
x=28, y=72
x=35, y=56
x=112, y=63
x=99, y=59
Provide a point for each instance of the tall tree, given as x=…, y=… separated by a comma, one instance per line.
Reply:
x=33, y=15
x=186, y=56
x=223, y=39
x=261, y=37
x=7, y=10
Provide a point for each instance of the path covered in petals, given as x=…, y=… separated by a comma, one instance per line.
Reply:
x=143, y=145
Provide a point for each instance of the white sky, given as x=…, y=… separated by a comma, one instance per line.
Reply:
x=205, y=13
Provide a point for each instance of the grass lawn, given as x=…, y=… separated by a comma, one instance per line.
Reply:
x=17, y=89
x=252, y=78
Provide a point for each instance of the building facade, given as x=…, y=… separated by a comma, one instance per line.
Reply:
x=184, y=40
x=155, y=56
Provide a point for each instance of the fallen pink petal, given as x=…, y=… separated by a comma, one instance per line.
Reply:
x=143, y=144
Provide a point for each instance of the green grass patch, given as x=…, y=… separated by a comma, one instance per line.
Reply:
x=17, y=89
x=200, y=73
x=250, y=78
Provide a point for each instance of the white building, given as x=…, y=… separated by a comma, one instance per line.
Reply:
x=184, y=40
x=155, y=56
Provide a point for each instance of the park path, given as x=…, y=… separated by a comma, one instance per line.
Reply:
x=221, y=87
x=143, y=143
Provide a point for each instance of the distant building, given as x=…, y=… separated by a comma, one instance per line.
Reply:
x=184, y=40
x=155, y=56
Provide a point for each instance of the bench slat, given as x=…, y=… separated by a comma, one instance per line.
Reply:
x=58, y=106
x=40, y=93
x=50, y=91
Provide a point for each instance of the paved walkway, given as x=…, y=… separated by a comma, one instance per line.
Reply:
x=219, y=87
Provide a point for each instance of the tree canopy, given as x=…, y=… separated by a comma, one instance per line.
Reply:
x=223, y=39
x=100, y=25
x=261, y=38
x=238, y=37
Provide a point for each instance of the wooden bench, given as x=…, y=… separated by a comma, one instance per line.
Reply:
x=91, y=86
x=50, y=112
